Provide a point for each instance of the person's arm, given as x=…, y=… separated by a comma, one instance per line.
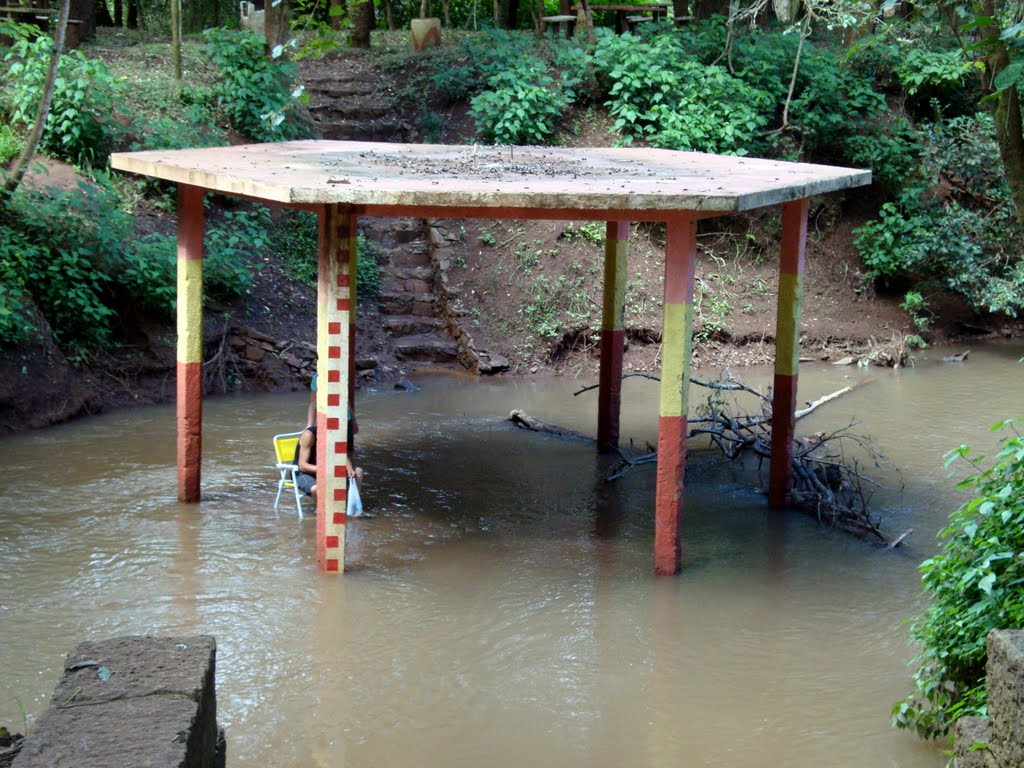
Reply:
x=305, y=449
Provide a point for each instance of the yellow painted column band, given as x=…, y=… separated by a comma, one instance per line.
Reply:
x=616, y=249
x=677, y=346
x=190, y=310
x=787, y=324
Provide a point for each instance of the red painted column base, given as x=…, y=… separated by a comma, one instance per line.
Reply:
x=609, y=397
x=668, y=504
x=783, y=430
x=190, y=429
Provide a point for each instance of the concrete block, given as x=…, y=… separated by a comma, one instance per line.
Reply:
x=968, y=732
x=1005, y=681
x=145, y=702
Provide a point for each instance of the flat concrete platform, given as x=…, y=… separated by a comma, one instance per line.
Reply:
x=505, y=181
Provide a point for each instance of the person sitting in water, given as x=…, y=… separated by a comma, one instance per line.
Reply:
x=305, y=459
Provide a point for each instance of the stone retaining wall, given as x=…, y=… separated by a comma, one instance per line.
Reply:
x=132, y=701
x=1002, y=732
x=479, y=361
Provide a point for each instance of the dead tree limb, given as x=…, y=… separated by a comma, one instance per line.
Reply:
x=827, y=482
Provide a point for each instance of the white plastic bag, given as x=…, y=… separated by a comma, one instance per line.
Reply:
x=355, y=504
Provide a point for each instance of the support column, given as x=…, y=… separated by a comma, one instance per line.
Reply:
x=609, y=398
x=353, y=271
x=787, y=350
x=676, y=346
x=190, y=341
x=333, y=334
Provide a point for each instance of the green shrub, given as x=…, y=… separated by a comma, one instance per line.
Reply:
x=521, y=105
x=656, y=92
x=937, y=78
x=975, y=584
x=191, y=129
x=18, y=257
x=10, y=144
x=81, y=123
x=228, y=250
x=258, y=94
x=890, y=148
x=368, y=278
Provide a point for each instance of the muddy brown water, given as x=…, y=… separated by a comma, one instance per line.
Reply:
x=500, y=609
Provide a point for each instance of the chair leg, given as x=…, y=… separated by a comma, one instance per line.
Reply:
x=280, y=487
x=298, y=498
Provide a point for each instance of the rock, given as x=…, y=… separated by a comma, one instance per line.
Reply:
x=366, y=363
x=254, y=353
x=957, y=358
x=405, y=385
x=490, y=364
x=849, y=360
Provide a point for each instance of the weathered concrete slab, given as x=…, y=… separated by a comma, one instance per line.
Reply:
x=419, y=176
x=1005, y=682
x=969, y=732
x=145, y=702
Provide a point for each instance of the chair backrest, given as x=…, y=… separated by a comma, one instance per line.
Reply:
x=284, y=447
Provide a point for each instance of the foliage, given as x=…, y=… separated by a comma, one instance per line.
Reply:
x=891, y=149
x=658, y=93
x=10, y=144
x=520, y=105
x=965, y=240
x=935, y=80
x=76, y=256
x=976, y=584
x=554, y=303
x=368, y=278
x=257, y=93
x=80, y=125
x=17, y=253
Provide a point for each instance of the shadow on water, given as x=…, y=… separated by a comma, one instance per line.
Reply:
x=500, y=608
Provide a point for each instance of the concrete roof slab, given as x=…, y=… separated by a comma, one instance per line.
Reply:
x=530, y=178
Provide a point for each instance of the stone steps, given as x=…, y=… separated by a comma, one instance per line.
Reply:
x=412, y=325
x=405, y=303
x=427, y=348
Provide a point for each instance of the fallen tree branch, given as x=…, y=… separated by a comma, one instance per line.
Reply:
x=826, y=483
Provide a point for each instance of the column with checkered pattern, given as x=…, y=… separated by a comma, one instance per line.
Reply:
x=335, y=305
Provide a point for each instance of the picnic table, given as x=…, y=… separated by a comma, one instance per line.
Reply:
x=626, y=14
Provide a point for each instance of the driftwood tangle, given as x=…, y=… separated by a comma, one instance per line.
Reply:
x=826, y=482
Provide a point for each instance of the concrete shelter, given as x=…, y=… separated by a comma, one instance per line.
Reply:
x=341, y=181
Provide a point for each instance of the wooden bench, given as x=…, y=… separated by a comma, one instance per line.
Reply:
x=565, y=23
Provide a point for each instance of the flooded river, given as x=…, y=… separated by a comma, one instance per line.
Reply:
x=500, y=610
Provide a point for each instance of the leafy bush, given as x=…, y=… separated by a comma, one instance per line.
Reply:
x=10, y=144
x=976, y=584
x=962, y=237
x=190, y=130
x=656, y=92
x=80, y=125
x=368, y=277
x=936, y=78
x=258, y=94
x=17, y=258
x=521, y=105
x=891, y=149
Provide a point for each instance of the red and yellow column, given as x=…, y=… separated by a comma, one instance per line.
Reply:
x=190, y=341
x=787, y=350
x=676, y=343
x=335, y=306
x=609, y=398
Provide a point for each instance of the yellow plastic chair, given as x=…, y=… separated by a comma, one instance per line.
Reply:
x=284, y=452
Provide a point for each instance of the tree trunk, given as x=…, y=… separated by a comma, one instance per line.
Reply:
x=17, y=172
x=176, y=46
x=389, y=13
x=275, y=24
x=119, y=13
x=1009, y=129
x=361, y=13
x=336, y=15
x=103, y=17
x=512, y=14
x=133, y=14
